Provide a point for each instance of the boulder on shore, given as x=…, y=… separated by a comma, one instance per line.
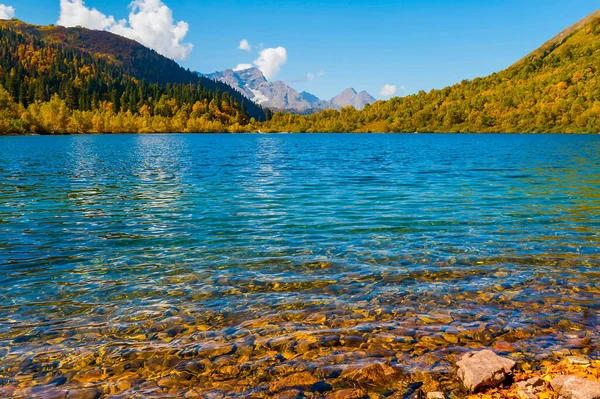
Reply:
x=571, y=387
x=483, y=369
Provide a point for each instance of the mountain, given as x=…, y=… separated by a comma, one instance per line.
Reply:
x=57, y=80
x=279, y=96
x=85, y=67
x=252, y=83
x=312, y=99
x=351, y=97
x=555, y=88
x=139, y=61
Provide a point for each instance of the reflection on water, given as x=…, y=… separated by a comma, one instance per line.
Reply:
x=264, y=265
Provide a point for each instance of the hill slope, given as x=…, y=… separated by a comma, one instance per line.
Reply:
x=571, y=29
x=85, y=67
x=138, y=61
x=554, y=89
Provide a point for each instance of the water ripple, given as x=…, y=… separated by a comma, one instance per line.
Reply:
x=297, y=250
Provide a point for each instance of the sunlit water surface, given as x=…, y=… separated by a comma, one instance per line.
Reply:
x=222, y=265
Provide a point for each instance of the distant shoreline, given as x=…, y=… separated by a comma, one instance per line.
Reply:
x=294, y=133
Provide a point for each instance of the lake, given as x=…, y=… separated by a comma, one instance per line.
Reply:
x=154, y=265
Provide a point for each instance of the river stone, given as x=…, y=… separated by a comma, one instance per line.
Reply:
x=571, y=387
x=531, y=388
x=289, y=394
x=302, y=380
x=483, y=369
x=577, y=360
x=377, y=373
x=436, y=395
x=579, y=343
x=351, y=393
x=84, y=393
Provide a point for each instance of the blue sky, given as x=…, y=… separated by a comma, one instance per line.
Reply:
x=413, y=45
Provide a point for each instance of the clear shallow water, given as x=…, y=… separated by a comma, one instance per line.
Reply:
x=148, y=265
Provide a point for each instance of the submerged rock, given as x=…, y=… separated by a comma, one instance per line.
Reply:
x=504, y=347
x=579, y=343
x=352, y=393
x=571, y=387
x=483, y=369
x=302, y=381
x=376, y=373
x=84, y=393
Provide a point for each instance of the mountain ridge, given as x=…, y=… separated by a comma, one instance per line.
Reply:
x=280, y=96
x=50, y=88
x=129, y=57
x=571, y=29
x=555, y=88
x=58, y=80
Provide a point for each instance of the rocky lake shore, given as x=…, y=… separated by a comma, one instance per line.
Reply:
x=478, y=374
x=486, y=375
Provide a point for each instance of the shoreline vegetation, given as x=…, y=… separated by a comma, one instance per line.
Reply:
x=52, y=84
x=54, y=117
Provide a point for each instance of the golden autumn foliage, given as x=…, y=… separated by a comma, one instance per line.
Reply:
x=555, y=89
x=54, y=117
x=39, y=66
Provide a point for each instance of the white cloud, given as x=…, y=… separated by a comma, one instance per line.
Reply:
x=6, y=12
x=388, y=90
x=150, y=23
x=244, y=45
x=242, y=67
x=271, y=60
x=321, y=73
x=74, y=13
x=310, y=76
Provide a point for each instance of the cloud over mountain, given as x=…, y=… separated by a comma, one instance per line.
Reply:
x=150, y=22
x=242, y=67
x=270, y=61
x=6, y=12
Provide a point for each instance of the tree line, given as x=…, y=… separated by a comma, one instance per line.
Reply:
x=53, y=89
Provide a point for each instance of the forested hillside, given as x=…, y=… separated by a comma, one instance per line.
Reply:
x=554, y=89
x=58, y=80
x=106, y=83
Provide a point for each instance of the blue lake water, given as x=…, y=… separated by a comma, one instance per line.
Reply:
x=248, y=258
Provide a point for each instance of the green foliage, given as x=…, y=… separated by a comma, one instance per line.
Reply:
x=36, y=63
x=555, y=89
x=59, y=80
x=55, y=117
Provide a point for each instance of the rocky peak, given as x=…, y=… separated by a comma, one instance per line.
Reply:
x=351, y=97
